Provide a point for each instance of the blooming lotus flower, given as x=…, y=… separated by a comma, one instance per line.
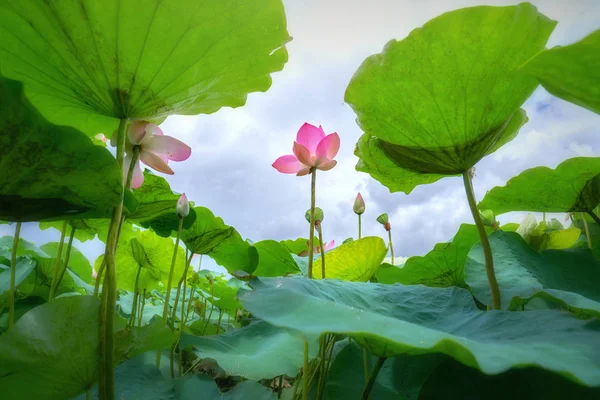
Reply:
x=359, y=204
x=183, y=206
x=156, y=150
x=317, y=249
x=312, y=149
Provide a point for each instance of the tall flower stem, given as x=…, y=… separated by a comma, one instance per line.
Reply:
x=58, y=260
x=143, y=303
x=106, y=382
x=170, y=281
x=587, y=230
x=391, y=245
x=13, y=274
x=367, y=390
x=485, y=243
x=305, y=371
x=359, y=226
x=99, y=275
x=181, y=283
x=67, y=256
x=134, y=304
x=320, y=230
x=313, y=183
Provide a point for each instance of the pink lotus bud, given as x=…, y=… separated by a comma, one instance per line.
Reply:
x=94, y=273
x=183, y=207
x=359, y=204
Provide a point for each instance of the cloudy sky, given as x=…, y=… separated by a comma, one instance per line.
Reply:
x=230, y=168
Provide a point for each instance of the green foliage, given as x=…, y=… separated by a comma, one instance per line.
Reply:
x=78, y=263
x=49, y=171
x=521, y=272
x=274, y=259
x=242, y=352
x=87, y=65
x=429, y=117
x=568, y=72
x=573, y=186
x=392, y=320
x=206, y=233
x=354, y=261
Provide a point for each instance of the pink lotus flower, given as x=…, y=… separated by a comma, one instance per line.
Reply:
x=156, y=150
x=183, y=206
x=317, y=249
x=312, y=149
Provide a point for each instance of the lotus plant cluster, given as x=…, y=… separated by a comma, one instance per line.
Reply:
x=501, y=310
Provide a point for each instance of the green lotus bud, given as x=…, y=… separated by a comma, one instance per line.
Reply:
x=318, y=215
x=359, y=204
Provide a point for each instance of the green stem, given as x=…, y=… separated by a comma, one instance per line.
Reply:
x=485, y=243
x=391, y=246
x=212, y=304
x=313, y=182
x=587, y=231
x=106, y=383
x=143, y=303
x=170, y=282
x=359, y=226
x=67, y=257
x=135, y=296
x=63, y=231
x=305, y=371
x=99, y=277
x=219, y=320
x=189, y=307
x=366, y=364
x=182, y=282
x=367, y=391
x=544, y=216
x=322, y=251
x=594, y=217
x=88, y=394
x=280, y=387
x=13, y=274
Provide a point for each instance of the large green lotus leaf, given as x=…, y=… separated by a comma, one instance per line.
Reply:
x=50, y=171
x=297, y=246
x=135, y=340
x=388, y=274
x=153, y=253
x=570, y=72
x=521, y=271
x=206, y=233
x=546, y=235
x=88, y=64
x=448, y=94
x=399, y=377
x=274, y=259
x=444, y=265
x=573, y=186
x=392, y=320
x=353, y=261
x=23, y=248
x=454, y=381
x=222, y=292
x=235, y=254
x=245, y=390
x=593, y=228
x=155, y=206
x=36, y=362
x=256, y=351
x=25, y=267
x=78, y=263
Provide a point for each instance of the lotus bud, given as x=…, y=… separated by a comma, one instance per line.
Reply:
x=183, y=207
x=318, y=215
x=359, y=204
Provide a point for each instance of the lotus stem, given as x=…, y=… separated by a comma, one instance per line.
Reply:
x=587, y=231
x=212, y=303
x=99, y=276
x=135, y=297
x=58, y=260
x=322, y=250
x=305, y=370
x=365, y=364
x=367, y=391
x=67, y=256
x=391, y=245
x=106, y=383
x=13, y=274
x=359, y=226
x=143, y=303
x=313, y=183
x=280, y=385
x=485, y=243
x=182, y=282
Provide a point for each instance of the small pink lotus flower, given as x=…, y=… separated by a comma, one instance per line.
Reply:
x=317, y=249
x=183, y=207
x=312, y=149
x=156, y=150
x=101, y=137
x=94, y=273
